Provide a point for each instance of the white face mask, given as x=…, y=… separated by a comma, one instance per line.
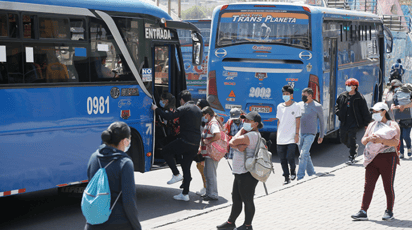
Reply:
x=377, y=116
x=127, y=147
x=348, y=88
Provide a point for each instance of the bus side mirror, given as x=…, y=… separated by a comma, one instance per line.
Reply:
x=197, y=48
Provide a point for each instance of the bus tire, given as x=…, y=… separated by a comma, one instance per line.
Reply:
x=136, y=151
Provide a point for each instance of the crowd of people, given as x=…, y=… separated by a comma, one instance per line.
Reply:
x=195, y=127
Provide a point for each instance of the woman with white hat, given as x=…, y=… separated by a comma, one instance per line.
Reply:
x=380, y=161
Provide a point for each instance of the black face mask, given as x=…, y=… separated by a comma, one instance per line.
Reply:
x=304, y=98
x=236, y=121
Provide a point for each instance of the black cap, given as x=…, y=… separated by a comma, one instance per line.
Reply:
x=253, y=116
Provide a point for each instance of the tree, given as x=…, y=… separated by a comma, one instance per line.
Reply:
x=194, y=12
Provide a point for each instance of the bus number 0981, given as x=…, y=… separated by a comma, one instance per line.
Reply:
x=97, y=105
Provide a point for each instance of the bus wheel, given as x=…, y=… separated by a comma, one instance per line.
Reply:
x=136, y=151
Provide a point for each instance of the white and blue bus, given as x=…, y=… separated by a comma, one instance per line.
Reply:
x=196, y=75
x=68, y=69
x=256, y=48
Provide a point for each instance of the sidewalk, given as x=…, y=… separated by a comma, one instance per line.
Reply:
x=323, y=202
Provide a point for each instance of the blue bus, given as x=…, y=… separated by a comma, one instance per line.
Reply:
x=196, y=76
x=256, y=48
x=68, y=69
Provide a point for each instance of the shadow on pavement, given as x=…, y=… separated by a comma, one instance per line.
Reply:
x=161, y=202
x=393, y=223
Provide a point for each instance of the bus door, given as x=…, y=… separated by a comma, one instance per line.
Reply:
x=333, y=52
x=168, y=78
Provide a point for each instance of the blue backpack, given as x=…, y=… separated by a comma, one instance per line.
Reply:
x=96, y=198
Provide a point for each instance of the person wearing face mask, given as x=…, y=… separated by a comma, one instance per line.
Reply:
x=353, y=113
x=381, y=139
x=389, y=99
x=311, y=112
x=232, y=126
x=116, y=142
x=172, y=127
x=187, y=143
x=288, y=115
x=244, y=184
x=211, y=133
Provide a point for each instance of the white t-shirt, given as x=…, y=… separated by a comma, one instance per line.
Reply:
x=239, y=157
x=287, y=123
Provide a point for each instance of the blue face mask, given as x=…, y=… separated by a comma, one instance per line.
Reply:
x=162, y=104
x=205, y=120
x=348, y=88
x=247, y=126
x=286, y=98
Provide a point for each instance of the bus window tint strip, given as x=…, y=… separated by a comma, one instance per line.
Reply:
x=264, y=27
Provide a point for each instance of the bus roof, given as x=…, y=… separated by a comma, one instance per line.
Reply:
x=314, y=9
x=128, y=6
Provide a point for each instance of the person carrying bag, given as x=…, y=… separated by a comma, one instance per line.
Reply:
x=213, y=148
x=244, y=184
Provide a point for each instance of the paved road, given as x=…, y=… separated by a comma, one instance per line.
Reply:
x=320, y=203
x=48, y=210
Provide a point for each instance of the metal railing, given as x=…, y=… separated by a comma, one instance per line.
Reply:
x=397, y=22
x=339, y=4
x=370, y=6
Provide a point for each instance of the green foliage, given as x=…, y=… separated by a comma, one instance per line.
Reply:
x=195, y=12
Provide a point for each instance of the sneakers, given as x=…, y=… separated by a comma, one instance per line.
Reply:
x=244, y=227
x=226, y=226
x=388, y=215
x=361, y=215
x=287, y=181
x=293, y=176
x=401, y=156
x=209, y=198
x=175, y=179
x=182, y=197
x=202, y=192
x=351, y=160
x=409, y=152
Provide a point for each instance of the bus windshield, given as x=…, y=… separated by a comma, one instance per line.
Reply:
x=272, y=27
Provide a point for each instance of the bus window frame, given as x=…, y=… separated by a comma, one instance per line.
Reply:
x=251, y=43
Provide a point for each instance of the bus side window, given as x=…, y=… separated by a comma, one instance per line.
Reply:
x=3, y=25
x=28, y=26
x=106, y=61
x=10, y=70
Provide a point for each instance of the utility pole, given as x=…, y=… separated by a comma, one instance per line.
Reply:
x=169, y=7
x=157, y=2
x=179, y=7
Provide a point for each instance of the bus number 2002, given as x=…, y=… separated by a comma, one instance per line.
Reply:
x=97, y=105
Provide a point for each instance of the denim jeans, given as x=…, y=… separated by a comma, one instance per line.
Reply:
x=405, y=135
x=287, y=155
x=211, y=177
x=305, y=162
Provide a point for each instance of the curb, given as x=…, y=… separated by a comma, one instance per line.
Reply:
x=334, y=169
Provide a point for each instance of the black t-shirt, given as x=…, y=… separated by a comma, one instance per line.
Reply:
x=350, y=120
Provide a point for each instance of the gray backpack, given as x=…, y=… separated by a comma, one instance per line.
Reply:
x=260, y=165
